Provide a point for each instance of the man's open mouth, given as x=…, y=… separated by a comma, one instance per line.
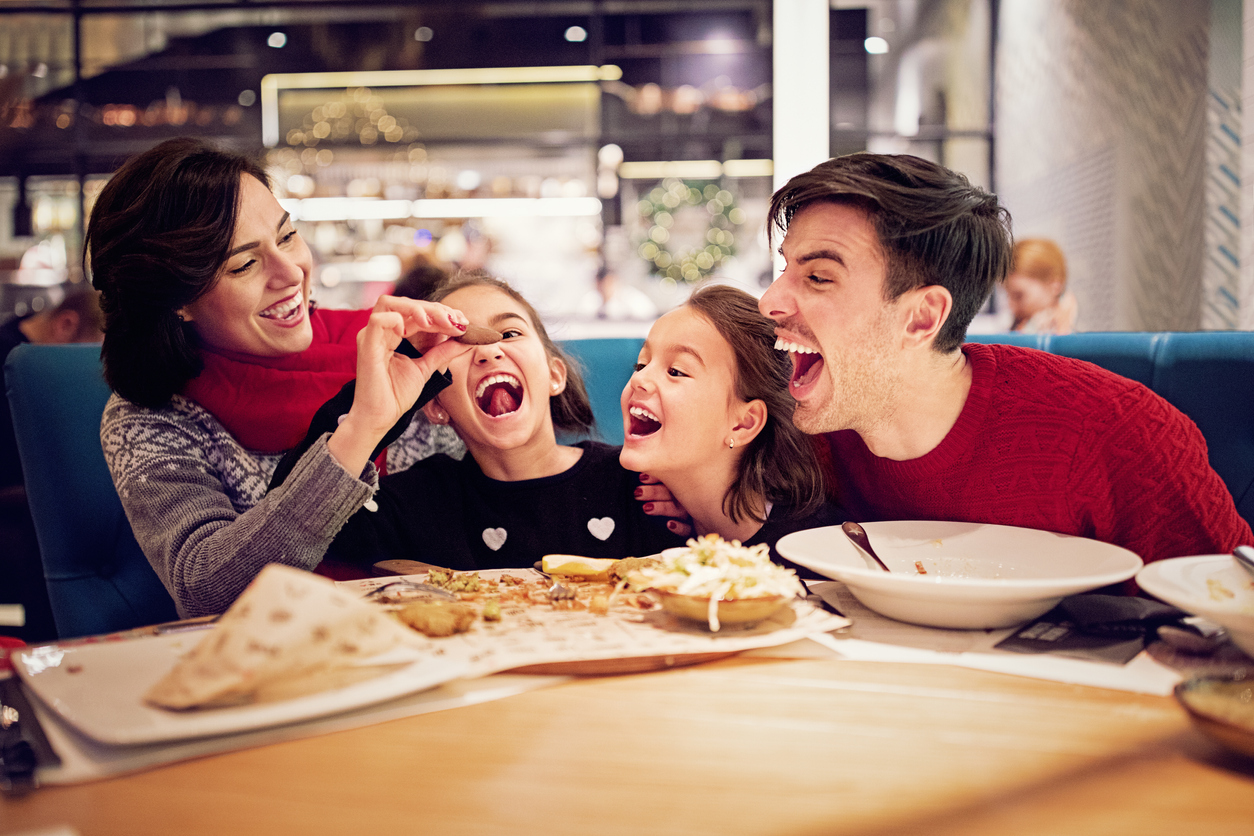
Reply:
x=806, y=362
x=286, y=310
x=643, y=422
x=499, y=394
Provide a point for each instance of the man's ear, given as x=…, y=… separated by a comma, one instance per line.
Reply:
x=749, y=422
x=557, y=376
x=926, y=308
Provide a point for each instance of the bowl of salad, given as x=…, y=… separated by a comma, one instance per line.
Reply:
x=719, y=582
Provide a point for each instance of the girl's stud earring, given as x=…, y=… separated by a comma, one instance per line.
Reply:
x=731, y=442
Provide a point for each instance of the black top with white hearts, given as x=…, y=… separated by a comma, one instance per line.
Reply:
x=446, y=512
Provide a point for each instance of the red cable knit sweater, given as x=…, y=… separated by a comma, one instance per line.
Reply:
x=1054, y=443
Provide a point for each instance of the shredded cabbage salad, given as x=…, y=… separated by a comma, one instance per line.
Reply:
x=722, y=570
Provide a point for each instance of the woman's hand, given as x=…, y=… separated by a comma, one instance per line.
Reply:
x=388, y=383
x=659, y=502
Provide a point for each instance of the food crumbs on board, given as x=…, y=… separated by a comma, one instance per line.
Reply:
x=918, y=564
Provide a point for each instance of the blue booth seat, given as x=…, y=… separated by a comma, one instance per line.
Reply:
x=98, y=579
x=607, y=365
x=1207, y=375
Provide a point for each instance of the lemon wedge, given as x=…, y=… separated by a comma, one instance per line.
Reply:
x=577, y=566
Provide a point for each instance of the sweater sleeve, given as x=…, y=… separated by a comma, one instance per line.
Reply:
x=1147, y=484
x=195, y=504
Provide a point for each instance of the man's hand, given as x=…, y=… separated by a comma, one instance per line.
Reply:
x=659, y=502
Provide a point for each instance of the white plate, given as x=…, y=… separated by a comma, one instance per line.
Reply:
x=98, y=689
x=1209, y=585
x=978, y=576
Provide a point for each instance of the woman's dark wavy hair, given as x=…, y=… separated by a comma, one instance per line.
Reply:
x=935, y=228
x=779, y=463
x=158, y=236
x=571, y=409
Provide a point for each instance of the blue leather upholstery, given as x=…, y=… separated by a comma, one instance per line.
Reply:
x=98, y=579
x=607, y=365
x=1207, y=375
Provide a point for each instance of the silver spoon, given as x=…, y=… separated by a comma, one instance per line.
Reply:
x=857, y=534
x=1245, y=558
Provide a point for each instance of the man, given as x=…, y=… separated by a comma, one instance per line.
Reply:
x=76, y=319
x=888, y=260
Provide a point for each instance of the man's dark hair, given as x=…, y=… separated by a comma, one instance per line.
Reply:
x=933, y=226
x=158, y=236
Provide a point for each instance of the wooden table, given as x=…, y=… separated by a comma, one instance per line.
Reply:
x=737, y=746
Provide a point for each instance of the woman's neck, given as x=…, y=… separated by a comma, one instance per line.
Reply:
x=702, y=496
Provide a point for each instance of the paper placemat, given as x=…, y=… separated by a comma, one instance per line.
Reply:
x=531, y=635
x=874, y=638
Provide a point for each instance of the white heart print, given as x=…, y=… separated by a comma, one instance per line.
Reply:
x=601, y=528
x=494, y=537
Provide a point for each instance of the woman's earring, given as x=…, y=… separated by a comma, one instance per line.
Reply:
x=731, y=442
x=441, y=417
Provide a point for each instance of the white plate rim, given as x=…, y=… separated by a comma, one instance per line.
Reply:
x=1036, y=586
x=1156, y=579
x=169, y=726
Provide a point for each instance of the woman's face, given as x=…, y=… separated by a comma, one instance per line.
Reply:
x=500, y=393
x=259, y=303
x=1028, y=296
x=680, y=406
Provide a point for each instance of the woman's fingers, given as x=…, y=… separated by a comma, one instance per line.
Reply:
x=425, y=322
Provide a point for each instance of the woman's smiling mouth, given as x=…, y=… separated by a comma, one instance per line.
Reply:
x=287, y=310
x=499, y=394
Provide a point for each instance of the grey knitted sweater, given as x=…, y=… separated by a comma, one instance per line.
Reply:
x=197, y=500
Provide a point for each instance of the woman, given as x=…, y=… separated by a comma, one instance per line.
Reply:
x=218, y=362
x=1036, y=289
x=707, y=413
x=518, y=494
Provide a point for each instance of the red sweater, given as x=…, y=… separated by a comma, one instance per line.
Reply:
x=1057, y=444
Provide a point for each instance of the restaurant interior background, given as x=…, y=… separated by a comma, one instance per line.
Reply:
x=544, y=139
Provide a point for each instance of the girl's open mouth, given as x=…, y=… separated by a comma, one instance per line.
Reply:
x=643, y=422
x=499, y=394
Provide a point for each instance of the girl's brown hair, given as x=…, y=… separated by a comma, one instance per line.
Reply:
x=570, y=409
x=780, y=463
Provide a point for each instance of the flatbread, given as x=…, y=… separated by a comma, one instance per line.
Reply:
x=291, y=632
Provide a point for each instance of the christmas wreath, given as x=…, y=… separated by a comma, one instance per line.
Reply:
x=693, y=260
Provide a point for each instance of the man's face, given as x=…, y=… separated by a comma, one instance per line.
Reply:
x=830, y=313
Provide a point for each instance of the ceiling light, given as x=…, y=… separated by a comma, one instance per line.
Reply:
x=576, y=34
x=424, y=34
x=277, y=40
x=875, y=46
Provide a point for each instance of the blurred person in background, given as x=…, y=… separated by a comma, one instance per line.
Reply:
x=1036, y=289
x=77, y=319
x=421, y=278
x=612, y=299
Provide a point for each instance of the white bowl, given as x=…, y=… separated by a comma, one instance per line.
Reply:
x=978, y=576
x=1210, y=585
